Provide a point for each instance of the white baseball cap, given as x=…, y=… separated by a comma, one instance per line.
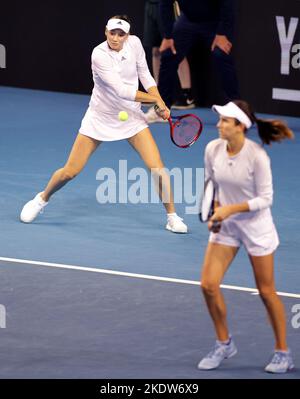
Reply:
x=231, y=110
x=115, y=23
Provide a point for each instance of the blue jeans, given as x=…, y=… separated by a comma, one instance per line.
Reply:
x=186, y=34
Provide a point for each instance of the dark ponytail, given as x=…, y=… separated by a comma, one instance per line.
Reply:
x=268, y=129
x=273, y=130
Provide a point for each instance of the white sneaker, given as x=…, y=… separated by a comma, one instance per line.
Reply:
x=152, y=117
x=32, y=208
x=281, y=362
x=175, y=224
x=215, y=357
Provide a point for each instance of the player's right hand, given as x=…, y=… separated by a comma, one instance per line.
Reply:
x=162, y=110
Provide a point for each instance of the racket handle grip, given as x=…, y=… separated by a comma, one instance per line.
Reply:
x=158, y=111
x=215, y=226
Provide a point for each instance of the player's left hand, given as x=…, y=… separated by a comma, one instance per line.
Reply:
x=162, y=110
x=223, y=43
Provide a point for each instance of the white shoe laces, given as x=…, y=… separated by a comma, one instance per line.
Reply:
x=219, y=349
x=279, y=357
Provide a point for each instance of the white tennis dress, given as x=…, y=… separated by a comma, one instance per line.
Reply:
x=244, y=177
x=116, y=78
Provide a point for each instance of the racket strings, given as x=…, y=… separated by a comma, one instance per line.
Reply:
x=186, y=130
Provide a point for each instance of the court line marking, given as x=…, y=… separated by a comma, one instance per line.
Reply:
x=253, y=291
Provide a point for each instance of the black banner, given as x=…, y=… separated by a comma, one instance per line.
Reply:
x=47, y=45
x=268, y=55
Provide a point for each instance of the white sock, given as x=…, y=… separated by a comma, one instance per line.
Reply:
x=227, y=342
x=171, y=214
x=41, y=201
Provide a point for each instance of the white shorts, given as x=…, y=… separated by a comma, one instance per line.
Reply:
x=259, y=238
x=108, y=127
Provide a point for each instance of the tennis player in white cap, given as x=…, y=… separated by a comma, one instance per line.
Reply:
x=117, y=65
x=241, y=172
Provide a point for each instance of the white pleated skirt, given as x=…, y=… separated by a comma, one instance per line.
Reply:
x=108, y=127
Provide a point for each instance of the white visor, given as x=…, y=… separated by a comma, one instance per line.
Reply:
x=231, y=110
x=115, y=23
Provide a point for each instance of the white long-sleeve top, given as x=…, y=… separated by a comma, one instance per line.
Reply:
x=116, y=76
x=244, y=177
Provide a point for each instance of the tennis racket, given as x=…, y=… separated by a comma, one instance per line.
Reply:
x=184, y=129
x=207, y=204
x=207, y=201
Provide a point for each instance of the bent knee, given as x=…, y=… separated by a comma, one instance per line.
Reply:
x=209, y=288
x=267, y=292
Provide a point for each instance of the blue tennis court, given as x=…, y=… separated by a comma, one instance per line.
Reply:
x=96, y=290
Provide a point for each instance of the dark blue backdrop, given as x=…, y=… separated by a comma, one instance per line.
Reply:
x=48, y=46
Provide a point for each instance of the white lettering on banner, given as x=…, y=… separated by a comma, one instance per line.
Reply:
x=296, y=318
x=2, y=56
x=285, y=94
x=296, y=58
x=290, y=56
x=286, y=37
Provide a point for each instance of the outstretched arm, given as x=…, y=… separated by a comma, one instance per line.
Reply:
x=153, y=96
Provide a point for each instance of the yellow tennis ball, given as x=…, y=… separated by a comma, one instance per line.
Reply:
x=123, y=116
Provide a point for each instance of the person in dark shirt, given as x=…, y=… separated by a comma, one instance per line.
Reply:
x=208, y=21
x=153, y=35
